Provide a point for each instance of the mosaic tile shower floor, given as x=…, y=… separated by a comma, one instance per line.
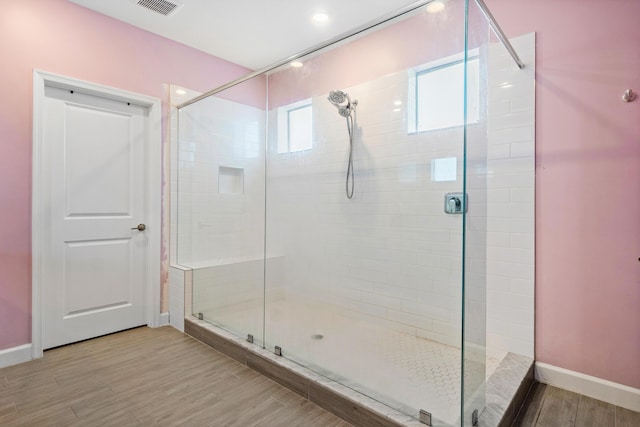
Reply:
x=404, y=371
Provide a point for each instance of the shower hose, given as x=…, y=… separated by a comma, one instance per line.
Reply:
x=350, y=178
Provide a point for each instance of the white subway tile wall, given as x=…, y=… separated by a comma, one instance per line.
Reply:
x=220, y=220
x=390, y=254
x=511, y=198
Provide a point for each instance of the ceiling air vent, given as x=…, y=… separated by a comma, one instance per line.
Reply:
x=163, y=7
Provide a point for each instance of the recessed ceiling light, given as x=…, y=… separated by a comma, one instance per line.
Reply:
x=435, y=6
x=397, y=102
x=320, y=17
x=296, y=64
x=181, y=92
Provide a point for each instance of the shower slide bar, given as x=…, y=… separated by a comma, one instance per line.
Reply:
x=384, y=18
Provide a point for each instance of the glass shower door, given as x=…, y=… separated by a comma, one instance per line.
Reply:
x=475, y=219
x=368, y=289
x=221, y=206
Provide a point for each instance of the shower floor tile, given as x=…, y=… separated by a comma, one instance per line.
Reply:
x=404, y=371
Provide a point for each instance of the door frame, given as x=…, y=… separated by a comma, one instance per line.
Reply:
x=40, y=211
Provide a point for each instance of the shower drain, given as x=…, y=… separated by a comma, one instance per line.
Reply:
x=317, y=336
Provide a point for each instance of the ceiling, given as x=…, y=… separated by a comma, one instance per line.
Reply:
x=252, y=33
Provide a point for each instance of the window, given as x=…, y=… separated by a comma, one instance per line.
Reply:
x=295, y=130
x=436, y=95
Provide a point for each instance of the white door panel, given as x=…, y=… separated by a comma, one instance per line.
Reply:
x=101, y=186
x=94, y=283
x=90, y=281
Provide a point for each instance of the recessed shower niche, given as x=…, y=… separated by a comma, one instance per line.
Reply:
x=230, y=180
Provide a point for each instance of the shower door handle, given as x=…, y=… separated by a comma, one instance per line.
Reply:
x=140, y=227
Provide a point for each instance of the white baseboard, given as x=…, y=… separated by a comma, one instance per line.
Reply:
x=15, y=355
x=607, y=391
x=164, y=319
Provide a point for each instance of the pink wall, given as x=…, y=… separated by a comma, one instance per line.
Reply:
x=588, y=182
x=60, y=37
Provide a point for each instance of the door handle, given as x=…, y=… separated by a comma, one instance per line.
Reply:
x=140, y=227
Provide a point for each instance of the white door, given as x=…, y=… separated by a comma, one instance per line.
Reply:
x=94, y=256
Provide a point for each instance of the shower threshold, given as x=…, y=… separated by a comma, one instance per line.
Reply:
x=506, y=387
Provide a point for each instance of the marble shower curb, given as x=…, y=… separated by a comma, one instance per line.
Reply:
x=506, y=389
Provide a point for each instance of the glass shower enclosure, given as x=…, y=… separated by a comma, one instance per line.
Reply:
x=333, y=209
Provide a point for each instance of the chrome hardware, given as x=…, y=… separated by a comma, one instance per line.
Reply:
x=454, y=203
x=200, y=316
x=140, y=227
x=278, y=351
x=629, y=96
x=249, y=338
x=499, y=33
x=425, y=417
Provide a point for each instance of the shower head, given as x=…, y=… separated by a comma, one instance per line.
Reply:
x=338, y=97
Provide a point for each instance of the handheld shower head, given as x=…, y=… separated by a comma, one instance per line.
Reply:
x=344, y=111
x=347, y=109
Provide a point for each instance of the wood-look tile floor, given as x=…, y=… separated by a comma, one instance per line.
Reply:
x=548, y=406
x=148, y=377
